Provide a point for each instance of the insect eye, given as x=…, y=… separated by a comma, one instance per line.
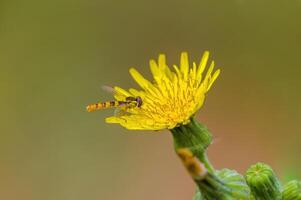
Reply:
x=139, y=101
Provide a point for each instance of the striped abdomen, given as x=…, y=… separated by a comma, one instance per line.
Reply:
x=104, y=105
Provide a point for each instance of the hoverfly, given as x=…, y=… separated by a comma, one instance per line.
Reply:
x=128, y=102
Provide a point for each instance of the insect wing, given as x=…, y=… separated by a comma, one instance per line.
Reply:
x=118, y=93
x=108, y=89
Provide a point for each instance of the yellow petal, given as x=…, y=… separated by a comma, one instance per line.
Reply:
x=154, y=68
x=121, y=91
x=184, y=64
x=113, y=120
x=214, y=77
x=202, y=65
x=144, y=83
x=162, y=62
x=208, y=75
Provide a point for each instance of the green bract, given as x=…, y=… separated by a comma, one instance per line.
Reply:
x=263, y=182
x=292, y=190
x=236, y=182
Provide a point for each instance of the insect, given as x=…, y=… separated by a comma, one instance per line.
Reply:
x=128, y=102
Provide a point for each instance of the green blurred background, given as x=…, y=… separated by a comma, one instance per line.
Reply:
x=55, y=55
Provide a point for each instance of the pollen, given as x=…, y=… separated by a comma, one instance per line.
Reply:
x=172, y=98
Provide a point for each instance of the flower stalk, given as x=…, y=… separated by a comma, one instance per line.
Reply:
x=195, y=137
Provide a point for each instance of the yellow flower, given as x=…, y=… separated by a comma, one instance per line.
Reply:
x=171, y=99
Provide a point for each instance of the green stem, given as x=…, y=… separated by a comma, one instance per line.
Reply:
x=207, y=163
x=196, y=137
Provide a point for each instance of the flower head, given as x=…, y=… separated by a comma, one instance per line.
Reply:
x=171, y=99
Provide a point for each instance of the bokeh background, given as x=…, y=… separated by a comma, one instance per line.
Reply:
x=55, y=56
